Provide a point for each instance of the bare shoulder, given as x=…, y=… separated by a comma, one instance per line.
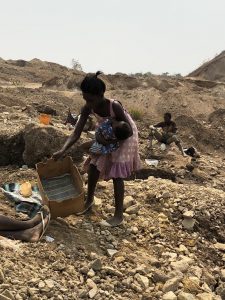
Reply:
x=85, y=110
x=117, y=106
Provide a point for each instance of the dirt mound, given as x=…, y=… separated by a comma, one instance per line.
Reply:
x=199, y=135
x=41, y=142
x=212, y=70
x=85, y=260
x=12, y=147
x=17, y=72
x=217, y=118
x=114, y=82
x=71, y=81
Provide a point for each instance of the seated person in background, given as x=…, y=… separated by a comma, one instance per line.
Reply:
x=168, y=135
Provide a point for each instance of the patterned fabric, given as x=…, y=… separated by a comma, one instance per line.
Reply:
x=122, y=162
x=30, y=205
x=105, y=129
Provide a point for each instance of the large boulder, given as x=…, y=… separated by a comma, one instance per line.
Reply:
x=42, y=141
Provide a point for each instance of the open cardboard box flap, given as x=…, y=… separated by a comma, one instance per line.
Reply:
x=51, y=169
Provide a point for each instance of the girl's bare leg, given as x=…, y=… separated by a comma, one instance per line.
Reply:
x=118, y=184
x=93, y=176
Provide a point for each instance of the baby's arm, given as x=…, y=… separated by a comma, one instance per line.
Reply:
x=101, y=140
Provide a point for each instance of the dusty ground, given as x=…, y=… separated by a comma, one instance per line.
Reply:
x=155, y=256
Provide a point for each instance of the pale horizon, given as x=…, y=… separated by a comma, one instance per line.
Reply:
x=115, y=36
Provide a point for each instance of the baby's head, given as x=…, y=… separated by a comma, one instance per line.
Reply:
x=121, y=129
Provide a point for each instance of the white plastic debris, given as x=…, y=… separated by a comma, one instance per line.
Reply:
x=152, y=162
x=49, y=239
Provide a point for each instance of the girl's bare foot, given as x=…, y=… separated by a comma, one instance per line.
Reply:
x=112, y=222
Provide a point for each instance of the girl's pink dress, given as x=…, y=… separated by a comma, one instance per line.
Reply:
x=122, y=162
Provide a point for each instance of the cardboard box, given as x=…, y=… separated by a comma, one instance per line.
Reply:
x=61, y=187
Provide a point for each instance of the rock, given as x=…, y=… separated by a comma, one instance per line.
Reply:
x=166, y=195
x=8, y=294
x=2, y=297
x=204, y=296
x=91, y=284
x=190, y=167
x=221, y=290
x=155, y=262
x=188, y=223
x=96, y=265
x=83, y=294
x=136, y=288
x=183, y=249
x=111, y=252
x=163, y=218
x=84, y=270
x=142, y=269
x=222, y=274
x=220, y=246
x=2, y=276
x=185, y=296
x=93, y=292
x=169, y=296
x=200, y=174
x=182, y=265
x=50, y=139
x=206, y=288
x=41, y=285
x=208, y=278
x=142, y=280
x=132, y=209
x=103, y=185
x=191, y=284
x=112, y=271
x=196, y=271
x=119, y=259
x=91, y=273
x=188, y=214
x=43, y=141
x=45, y=109
x=134, y=229
x=97, y=201
x=128, y=201
x=159, y=276
x=50, y=283
x=171, y=285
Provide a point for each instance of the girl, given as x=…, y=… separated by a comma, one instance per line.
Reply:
x=116, y=165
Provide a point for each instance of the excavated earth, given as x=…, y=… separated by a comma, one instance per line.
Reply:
x=156, y=253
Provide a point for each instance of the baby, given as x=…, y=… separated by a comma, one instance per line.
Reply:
x=108, y=136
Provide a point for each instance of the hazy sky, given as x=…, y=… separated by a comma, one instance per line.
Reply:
x=173, y=36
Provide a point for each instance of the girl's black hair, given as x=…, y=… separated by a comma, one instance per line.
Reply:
x=122, y=132
x=93, y=85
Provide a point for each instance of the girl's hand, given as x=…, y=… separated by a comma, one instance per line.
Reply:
x=57, y=155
